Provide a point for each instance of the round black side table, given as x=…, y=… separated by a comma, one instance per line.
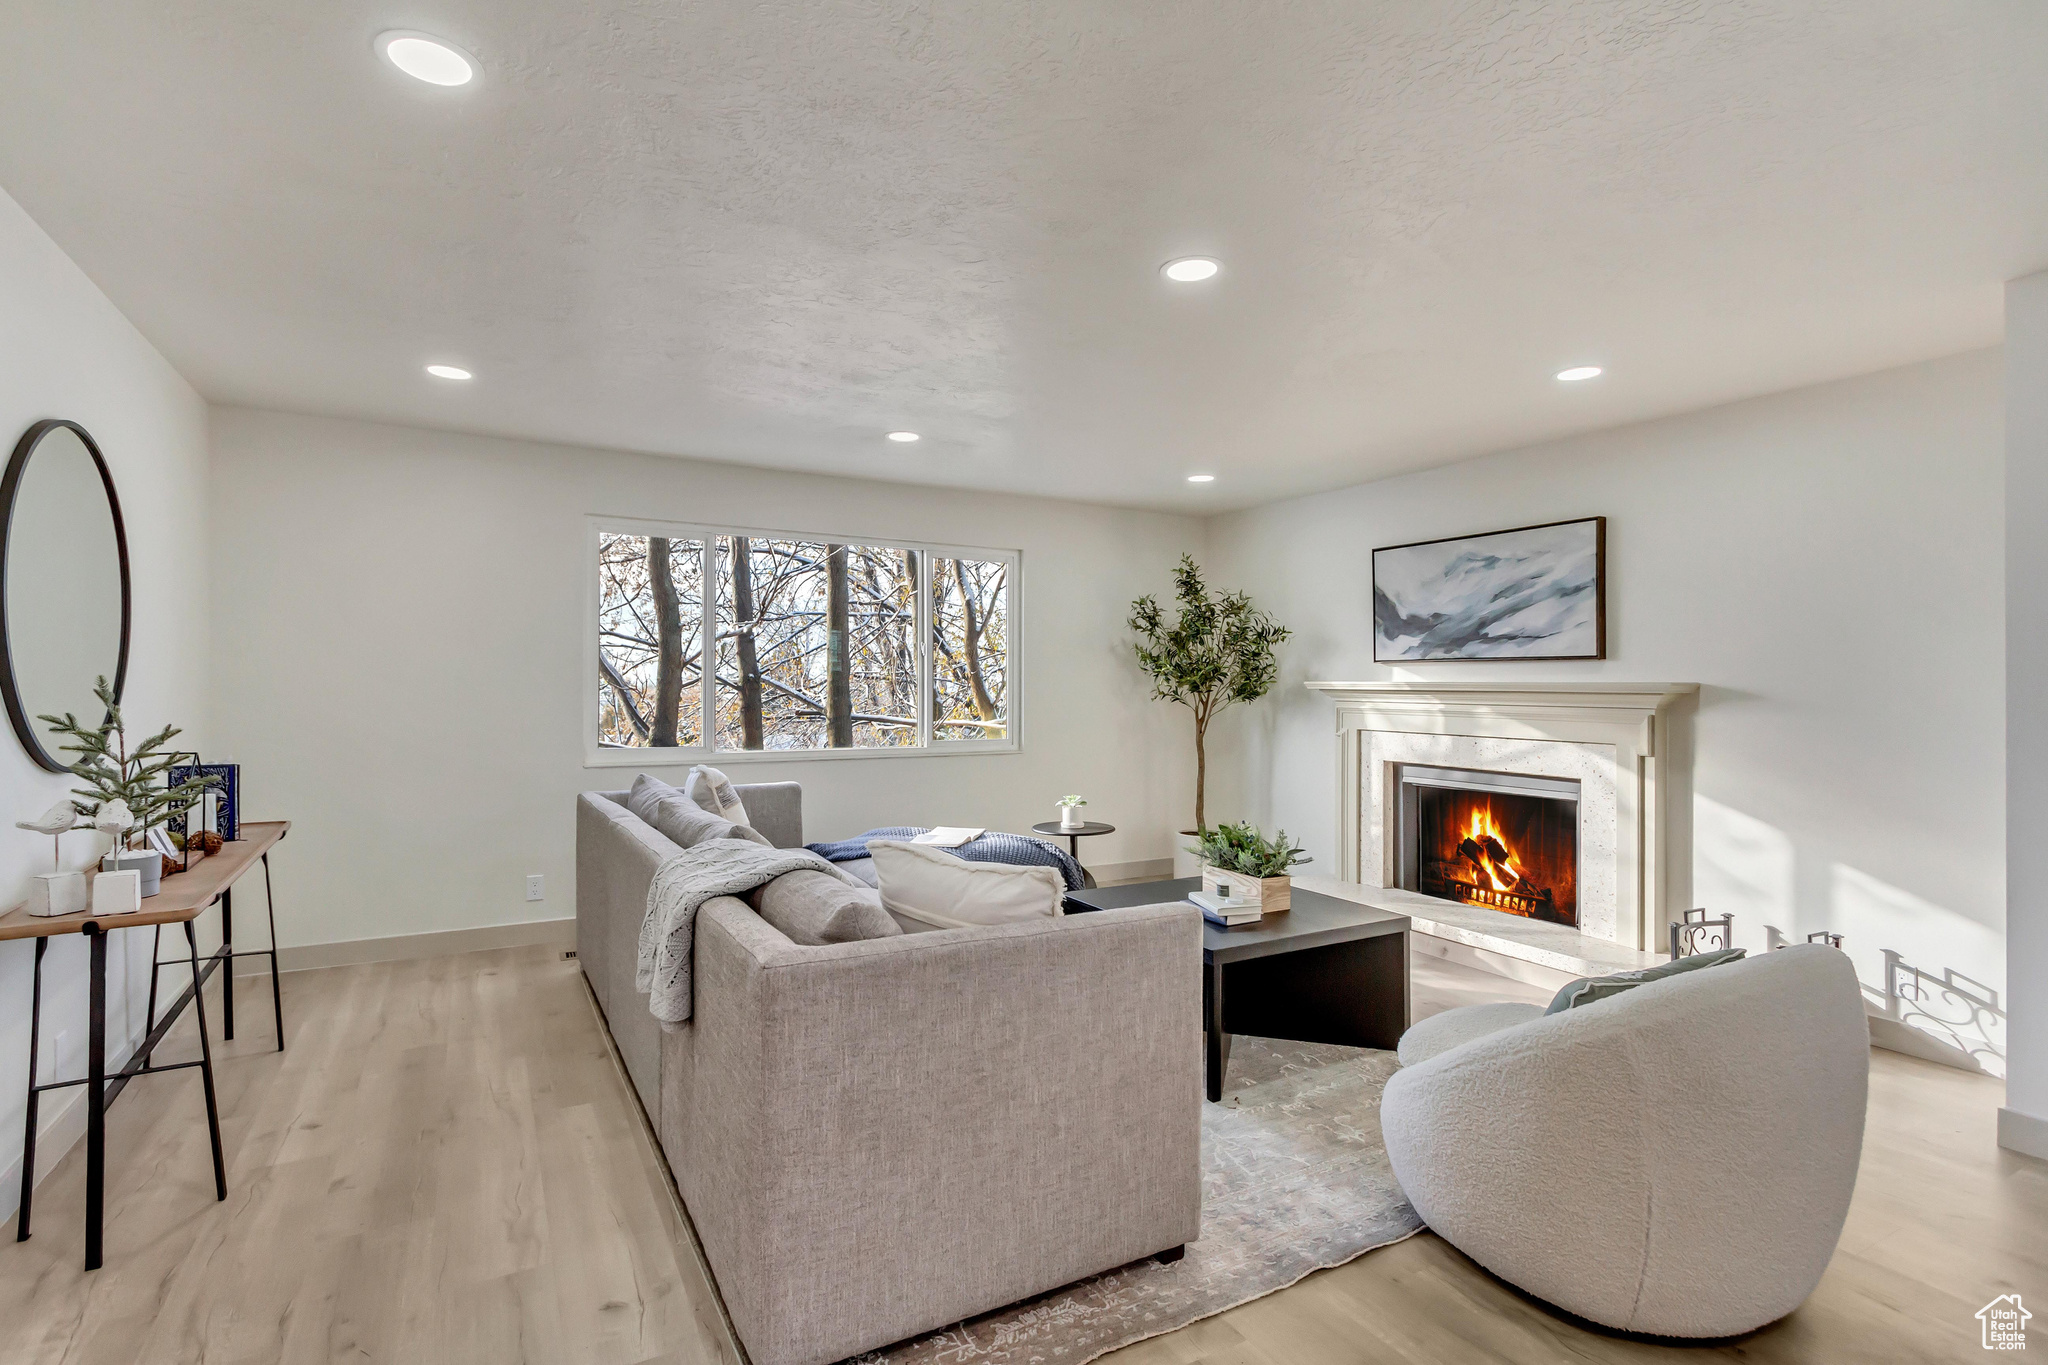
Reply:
x=1074, y=833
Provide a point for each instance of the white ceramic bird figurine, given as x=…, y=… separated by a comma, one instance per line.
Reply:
x=54, y=822
x=114, y=818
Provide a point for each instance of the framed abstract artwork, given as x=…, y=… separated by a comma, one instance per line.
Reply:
x=223, y=800
x=1534, y=592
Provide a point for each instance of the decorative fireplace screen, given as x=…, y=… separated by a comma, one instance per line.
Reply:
x=1499, y=840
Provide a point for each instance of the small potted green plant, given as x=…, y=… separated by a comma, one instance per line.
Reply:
x=1239, y=863
x=1072, y=814
x=127, y=786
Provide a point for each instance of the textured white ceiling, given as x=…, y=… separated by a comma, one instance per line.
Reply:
x=771, y=230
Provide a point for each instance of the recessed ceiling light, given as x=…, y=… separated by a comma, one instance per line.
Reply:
x=1578, y=372
x=1188, y=269
x=427, y=58
x=903, y=436
x=1201, y=478
x=448, y=372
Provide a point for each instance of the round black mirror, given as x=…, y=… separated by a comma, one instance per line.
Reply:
x=63, y=583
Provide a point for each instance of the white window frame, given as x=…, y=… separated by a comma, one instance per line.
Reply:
x=597, y=755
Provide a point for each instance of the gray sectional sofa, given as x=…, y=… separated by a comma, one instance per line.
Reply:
x=877, y=1139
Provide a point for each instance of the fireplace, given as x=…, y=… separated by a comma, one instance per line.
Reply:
x=1504, y=841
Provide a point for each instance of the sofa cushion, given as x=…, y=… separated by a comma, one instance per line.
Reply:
x=817, y=907
x=1589, y=989
x=1441, y=1032
x=937, y=890
x=685, y=823
x=714, y=791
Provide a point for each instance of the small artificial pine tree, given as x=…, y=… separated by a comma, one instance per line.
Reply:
x=1219, y=653
x=112, y=773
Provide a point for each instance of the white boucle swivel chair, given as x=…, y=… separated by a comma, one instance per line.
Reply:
x=1676, y=1160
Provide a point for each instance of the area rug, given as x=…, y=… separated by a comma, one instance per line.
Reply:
x=1294, y=1180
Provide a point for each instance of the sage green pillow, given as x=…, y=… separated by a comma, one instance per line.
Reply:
x=1588, y=989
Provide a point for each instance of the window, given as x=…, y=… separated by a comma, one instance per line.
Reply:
x=817, y=644
x=651, y=606
x=970, y=621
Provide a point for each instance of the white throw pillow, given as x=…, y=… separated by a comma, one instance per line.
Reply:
x=937, y=890
x=714, y=791
x=685, y=823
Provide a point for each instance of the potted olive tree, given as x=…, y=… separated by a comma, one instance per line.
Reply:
x=1216, y=653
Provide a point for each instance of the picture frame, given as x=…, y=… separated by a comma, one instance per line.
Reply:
x=1530, y=593
x=176, y=859
x=225, y=797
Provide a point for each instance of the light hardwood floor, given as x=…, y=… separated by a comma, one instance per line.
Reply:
x=447, y=1167
x=444, y=1166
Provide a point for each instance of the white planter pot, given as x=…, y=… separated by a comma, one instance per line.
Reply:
x=146, y=861
x=1072, y=817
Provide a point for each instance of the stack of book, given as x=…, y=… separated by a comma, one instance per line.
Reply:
x=1227, y=912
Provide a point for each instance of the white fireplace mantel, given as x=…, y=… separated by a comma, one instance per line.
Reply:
x=1624, y=729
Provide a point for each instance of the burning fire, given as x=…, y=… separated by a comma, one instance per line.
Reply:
x=1482, y=845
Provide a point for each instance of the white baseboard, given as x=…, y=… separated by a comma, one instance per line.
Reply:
x=1486, y=960
x=1143, y=870
x=60, y=1126
x=2023, y=1133
x=1896, y=1036
x=559, y=933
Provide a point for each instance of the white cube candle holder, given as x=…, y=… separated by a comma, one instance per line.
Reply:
x=57, y=893
x=117, y=893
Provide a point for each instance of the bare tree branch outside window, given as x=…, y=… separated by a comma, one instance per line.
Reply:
x=970, y=650
x=649, y=650
x=802, y=594
x=814, y=645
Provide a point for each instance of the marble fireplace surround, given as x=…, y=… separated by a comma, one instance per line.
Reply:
x=1614, y=738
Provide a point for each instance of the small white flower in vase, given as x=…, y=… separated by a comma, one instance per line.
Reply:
x=1072, y=812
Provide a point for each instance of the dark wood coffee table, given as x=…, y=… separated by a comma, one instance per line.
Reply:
x=1323, y=971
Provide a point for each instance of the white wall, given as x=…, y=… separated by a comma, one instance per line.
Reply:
x=2024, y=1123
x=66, y=352
x=1826, y=563
x=400, y=657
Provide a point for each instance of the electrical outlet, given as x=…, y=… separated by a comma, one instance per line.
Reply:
x=533, y=888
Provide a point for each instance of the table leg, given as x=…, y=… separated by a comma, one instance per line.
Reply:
x=1217, y=1042
x=227, y=977
x=28, y=1136
x=96, y=1098
x=220, y=1169
x=276, y=991
x=156, y=947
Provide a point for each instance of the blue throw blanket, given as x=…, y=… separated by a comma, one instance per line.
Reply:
x=1014, y=849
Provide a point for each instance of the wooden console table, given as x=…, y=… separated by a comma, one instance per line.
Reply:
x=185, y=895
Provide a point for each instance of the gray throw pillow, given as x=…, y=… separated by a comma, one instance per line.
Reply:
x=682, y=820
x=1588, y=989
x=817, y=907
